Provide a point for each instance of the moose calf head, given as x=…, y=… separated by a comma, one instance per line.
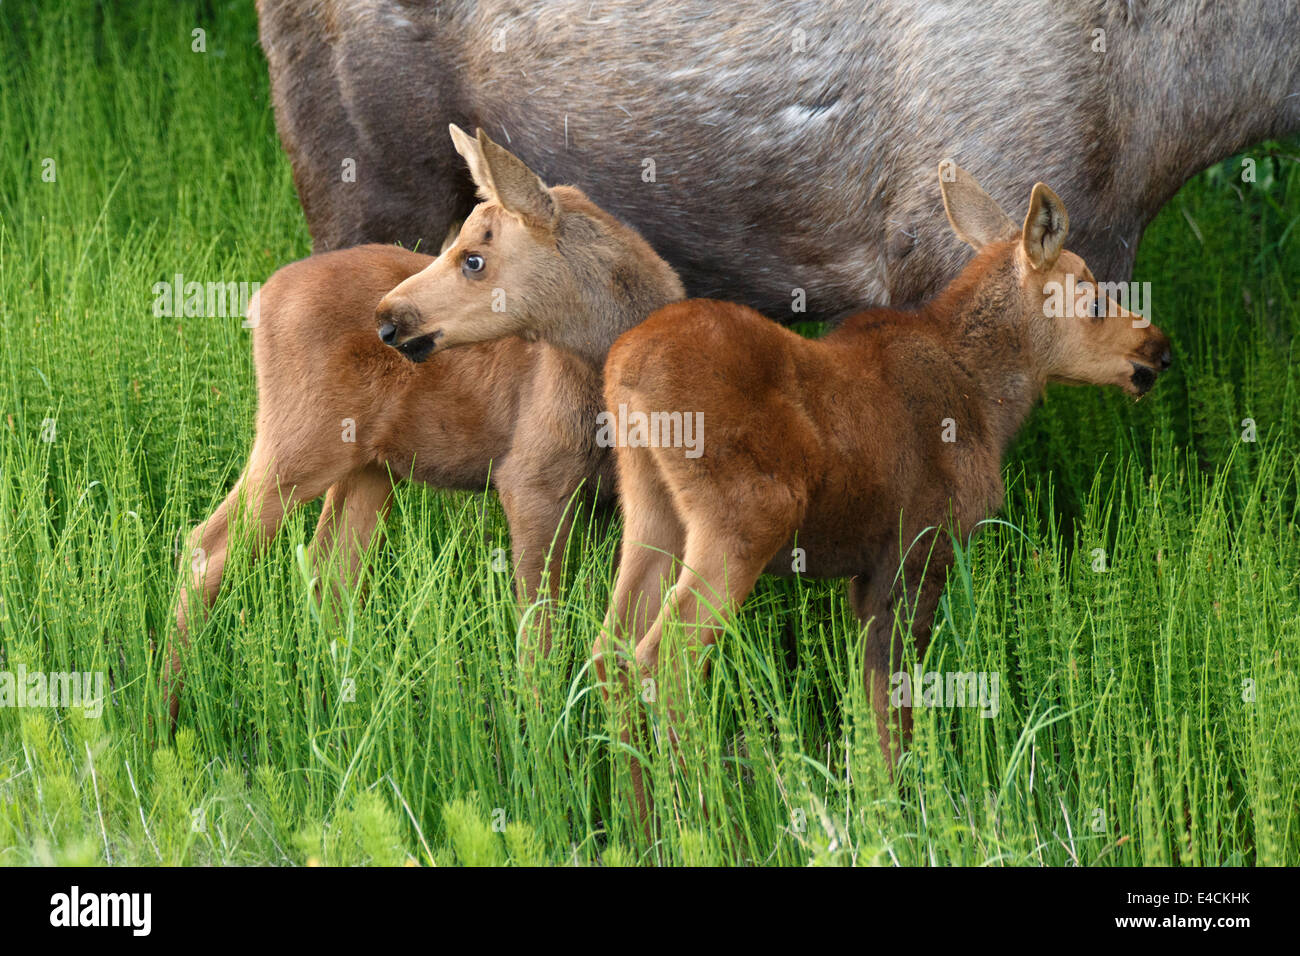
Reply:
x=543, y=264
x=1077, y=333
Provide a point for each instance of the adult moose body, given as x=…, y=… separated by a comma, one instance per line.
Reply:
x=792, y=143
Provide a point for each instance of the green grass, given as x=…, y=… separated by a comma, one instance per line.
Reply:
x=1125, y=734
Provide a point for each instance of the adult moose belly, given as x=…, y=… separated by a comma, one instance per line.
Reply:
x=780, y=155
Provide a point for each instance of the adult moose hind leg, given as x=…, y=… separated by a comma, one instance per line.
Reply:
x=365, y=164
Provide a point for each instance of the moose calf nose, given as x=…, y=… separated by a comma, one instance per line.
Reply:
x=396, y=317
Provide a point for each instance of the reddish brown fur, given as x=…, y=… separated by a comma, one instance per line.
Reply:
x=835, y=445
x=514, y=411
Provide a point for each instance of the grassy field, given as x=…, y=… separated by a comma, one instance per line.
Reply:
x=1149, y=713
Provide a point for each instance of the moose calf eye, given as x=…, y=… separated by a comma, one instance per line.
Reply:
x=1096, y=307
x=472, y=265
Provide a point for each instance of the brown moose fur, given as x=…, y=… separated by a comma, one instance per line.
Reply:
x=835, y=445
x=518, y=412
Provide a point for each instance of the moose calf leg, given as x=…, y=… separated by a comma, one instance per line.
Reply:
x=915, y=595
x=258, y=495
x=653, y=536
x=541, y=521
x=713, y=583
x=349, y=525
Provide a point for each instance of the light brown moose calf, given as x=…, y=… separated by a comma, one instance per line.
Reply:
x=864, y=448
x=341, y=409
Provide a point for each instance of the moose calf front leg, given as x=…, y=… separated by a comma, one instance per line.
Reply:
x=540, y=523
x=348, y=528
x=912, y=596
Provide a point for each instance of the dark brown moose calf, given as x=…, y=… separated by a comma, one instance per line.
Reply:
x=875, y=441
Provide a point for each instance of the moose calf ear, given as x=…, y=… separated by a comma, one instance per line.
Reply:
x=469, y=148
x=973, y=214
x=1045, y=228
x=518, y=189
